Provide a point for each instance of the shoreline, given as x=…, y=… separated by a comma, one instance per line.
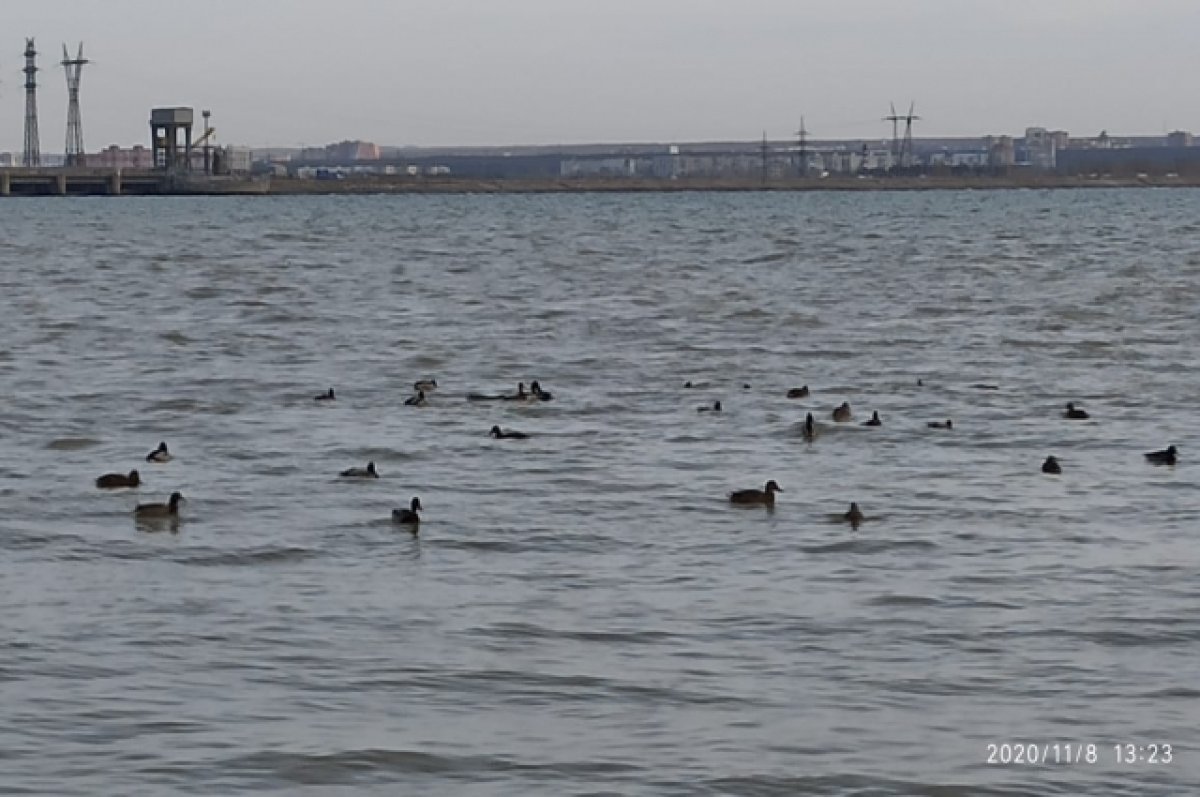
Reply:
x=290, y=186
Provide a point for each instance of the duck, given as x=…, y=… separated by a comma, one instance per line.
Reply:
x=368, y=472
x=160, y=454
x=408, y=516
x=842, y=414
x=110, y=480
x=798, y=392
x=417, y=400
x=946, y=424
x=1164, y=457
x=507, y=434
x=169, y=509
x=425, y=385
x=1074, y=413
x=810, y=427
x=326, y=396
x=854, y=515
x=536, y=391
x=1051, y=465
x=716, y=407
x=874, y=420
x=763, y=497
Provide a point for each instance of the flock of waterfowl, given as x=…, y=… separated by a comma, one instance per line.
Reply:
x=843, y=414
x=752, y=497
x=408, y=516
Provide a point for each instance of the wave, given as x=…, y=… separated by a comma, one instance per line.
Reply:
x=352, y=766
x=247, y=558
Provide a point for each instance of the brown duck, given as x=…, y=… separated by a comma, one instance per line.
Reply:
x=763, y=497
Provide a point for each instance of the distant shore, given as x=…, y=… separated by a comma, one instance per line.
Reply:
x=472, y=185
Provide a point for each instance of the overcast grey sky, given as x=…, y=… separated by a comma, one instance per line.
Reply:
x=467, y=72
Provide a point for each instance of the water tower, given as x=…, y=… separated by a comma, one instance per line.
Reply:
x=166, y=126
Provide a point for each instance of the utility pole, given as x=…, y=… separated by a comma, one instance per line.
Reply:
x=764, y=158
x=906, y=153
x=207, y=133
x=895, y=120
x=802, y=141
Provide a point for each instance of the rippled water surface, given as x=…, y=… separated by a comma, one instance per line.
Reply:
x=583, y=612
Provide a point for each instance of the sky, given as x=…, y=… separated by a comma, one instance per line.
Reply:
x=289, y=73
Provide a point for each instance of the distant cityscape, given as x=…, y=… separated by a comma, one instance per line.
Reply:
x=1039, y=150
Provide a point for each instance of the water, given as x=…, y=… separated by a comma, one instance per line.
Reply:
x=583, y=612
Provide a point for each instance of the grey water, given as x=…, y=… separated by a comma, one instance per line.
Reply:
x=583, y=612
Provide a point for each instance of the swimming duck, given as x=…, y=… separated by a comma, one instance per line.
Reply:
x=509, y=434
x=160, y=454
x=408, y=516
x=169, y=509
x=842, y=413
x=417, y=400
x=810, y=427
x=874, y=420
x=1164, y=457
x=763, y=497
x=425, y=385
x=716, y=407
x=854, y=516
x=798, y=392
x=1051, y=465
x=109, y=480
x=946, y=424
x=536, y=391
x=1074, y=413
x=368, y=472
x=326, y=396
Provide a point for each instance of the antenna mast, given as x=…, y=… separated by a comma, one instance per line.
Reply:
x=74, y=69
x=32, y=156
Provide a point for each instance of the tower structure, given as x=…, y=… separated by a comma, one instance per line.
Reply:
x=906, y=149
x=902, y=151
x=31, y=156
x=895, y=120
x=74, y=69
x=802, y=149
